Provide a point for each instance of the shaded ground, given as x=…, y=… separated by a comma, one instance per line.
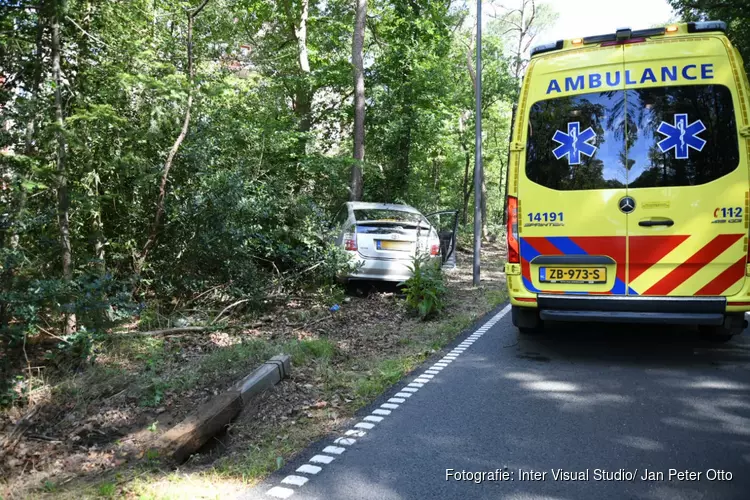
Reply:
x=90, y=432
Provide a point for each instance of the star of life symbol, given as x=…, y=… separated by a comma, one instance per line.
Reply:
x=574, y=143
x=681, y=136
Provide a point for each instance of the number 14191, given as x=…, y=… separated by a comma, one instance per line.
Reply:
x=545, y=217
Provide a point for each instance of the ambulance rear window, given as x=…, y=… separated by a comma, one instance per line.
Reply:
x=651, y=137
x=577, y=142
x=684, y=136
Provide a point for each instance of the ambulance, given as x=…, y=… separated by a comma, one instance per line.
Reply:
x=628, y=188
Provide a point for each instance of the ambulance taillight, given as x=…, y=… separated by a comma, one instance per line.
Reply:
x=512, y=230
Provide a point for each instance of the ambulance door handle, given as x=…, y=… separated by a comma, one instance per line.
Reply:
x=656, y=222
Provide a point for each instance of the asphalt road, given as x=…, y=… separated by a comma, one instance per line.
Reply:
x=577, y=398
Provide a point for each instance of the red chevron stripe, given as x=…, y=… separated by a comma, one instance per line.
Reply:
x=543, y=246
x=645, y=251
x=692, y=265
x=729, y=277
x=611, y=246
x=525, y=269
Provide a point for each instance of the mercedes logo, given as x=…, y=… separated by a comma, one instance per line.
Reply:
x=627, y=204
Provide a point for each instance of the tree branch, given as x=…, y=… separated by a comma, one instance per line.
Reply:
x=97, y=40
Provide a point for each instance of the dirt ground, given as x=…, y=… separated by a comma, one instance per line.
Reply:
x=90, y=432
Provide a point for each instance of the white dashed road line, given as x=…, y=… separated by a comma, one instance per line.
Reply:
x=295, y=480
x=309, y=469
x=368, y=423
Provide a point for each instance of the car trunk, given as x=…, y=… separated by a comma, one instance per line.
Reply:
x=390, y=240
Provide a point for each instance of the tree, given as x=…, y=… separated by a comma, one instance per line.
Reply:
x=734, y=12
x=153, y=233
x=63, y=197
x=524, y=23
x=358, y=40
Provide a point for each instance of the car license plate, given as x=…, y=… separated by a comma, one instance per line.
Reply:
x=589, y=275
x=399, y=246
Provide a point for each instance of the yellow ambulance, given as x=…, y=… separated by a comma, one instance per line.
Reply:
x=628, y=187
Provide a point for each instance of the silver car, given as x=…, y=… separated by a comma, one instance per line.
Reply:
x=383, y=239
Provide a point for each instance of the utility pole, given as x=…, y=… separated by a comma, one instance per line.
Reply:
x=478, y=151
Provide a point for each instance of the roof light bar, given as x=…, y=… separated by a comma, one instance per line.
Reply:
x=649, y=32
x=609, y=37
x=623, y=34
x=547, y=47
x=702, y=26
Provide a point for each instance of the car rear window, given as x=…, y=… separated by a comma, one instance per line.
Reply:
x=388, y=216
x=663, y=136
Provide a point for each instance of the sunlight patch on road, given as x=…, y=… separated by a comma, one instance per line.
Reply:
x=552, y=386
x=640, y=443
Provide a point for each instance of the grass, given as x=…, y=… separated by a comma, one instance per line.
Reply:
x=303, y=351
x=266, y=455
x=107, y=490
x=386, y=373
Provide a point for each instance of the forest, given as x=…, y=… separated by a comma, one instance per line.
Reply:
x=153, y=152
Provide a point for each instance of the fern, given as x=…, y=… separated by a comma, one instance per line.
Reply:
x=425, y=289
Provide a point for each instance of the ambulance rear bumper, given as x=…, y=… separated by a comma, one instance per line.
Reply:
x=614, y=309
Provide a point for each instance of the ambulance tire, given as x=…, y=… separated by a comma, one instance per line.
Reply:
x=527, y=320
x=733, y=325
x=714, y=334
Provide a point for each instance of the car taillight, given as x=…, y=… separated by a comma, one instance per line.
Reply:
x=434, y=249
x=350, y=241
x=512, y=237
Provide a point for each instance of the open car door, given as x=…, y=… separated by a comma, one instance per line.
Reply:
x=446, y=224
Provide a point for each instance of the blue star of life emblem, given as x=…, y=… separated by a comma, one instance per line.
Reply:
x=574, y=143
x=681, y=136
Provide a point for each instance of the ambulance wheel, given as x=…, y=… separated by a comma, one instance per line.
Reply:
x=714, y=334
x=526, y=319
x=733, y=325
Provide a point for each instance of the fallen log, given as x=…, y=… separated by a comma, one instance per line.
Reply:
x=167, y=331
x=185, y=438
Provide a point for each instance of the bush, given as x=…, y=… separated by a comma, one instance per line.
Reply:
x=425, y=290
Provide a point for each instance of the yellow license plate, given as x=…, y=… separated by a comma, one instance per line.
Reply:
x=402, y=246
x=583, y=275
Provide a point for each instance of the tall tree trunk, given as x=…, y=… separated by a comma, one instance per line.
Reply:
x=467, y=185
x=358, y=41
x=303, y=93
x=521, y=34
x=97, y=225
x=399, y=182
x=63, y=200
x=483, y=207
x=140, y=259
